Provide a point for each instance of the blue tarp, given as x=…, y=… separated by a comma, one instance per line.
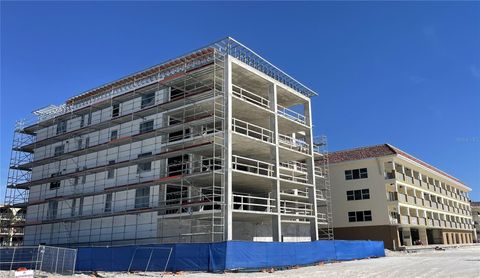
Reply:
x=222, y=256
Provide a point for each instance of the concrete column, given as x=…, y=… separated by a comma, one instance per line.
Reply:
x=422, y=232
x=276, y=219
x=228, y=150
x=464, y=240
x=407, y=236
x=451, y=238
x=445, y=238
x=311, y=172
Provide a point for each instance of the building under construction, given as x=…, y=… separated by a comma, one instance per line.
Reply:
x=214, y=145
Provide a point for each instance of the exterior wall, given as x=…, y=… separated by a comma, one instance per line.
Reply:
x=386, y=233
x=375, y=183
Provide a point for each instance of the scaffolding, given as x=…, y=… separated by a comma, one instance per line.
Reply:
x=145, y=158
x=324, y=196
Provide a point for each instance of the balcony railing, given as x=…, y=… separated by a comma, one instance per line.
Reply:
x=252, y=130
x=294, y=165
x=253, y=203
x=250, y=97
x=296, y=208
x=258, y=167
x=294, y=144
x=292, y=115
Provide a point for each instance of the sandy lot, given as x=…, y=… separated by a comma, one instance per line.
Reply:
x=455, y=262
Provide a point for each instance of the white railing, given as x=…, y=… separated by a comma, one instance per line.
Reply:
x=293, y=144
x=322, y=216
x=295, y=208
x=292, y=177
x=294, y=165
x=253, y=203
x=250, y=97
x=252, y=130
x=292, y=115
x=240, y=163
x=295, y=193
x=318, y=171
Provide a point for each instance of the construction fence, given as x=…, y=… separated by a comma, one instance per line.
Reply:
x=55, y=260
x=221, y=256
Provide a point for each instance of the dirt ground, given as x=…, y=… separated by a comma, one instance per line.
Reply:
x=455, y=262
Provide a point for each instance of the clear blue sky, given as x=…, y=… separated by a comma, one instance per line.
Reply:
x=403, y=73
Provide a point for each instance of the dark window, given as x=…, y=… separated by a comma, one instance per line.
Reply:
x=348, y=175
x=359, y=216
x=113, y=134
x=363, y=173
x=148, y=99
x=108, y=202
x=79, y=143
x=61, y=127
x=89, y=118
x=367, y=215
x=59, y=150
x=54, y=184
x=82, y=120
x=142, y=197
x=358, y=194
x=175, y=93
x=356, y=174
x=144, y=166
x=115, y=110
x=75, y=181
x=351, y=216
x=178, y=165
x=52, y=209
x=146, y=126
x=80, y=207
x=87, y=142
x=350, y=195
x=111, y=172
x=365, y=194
x=74, y=204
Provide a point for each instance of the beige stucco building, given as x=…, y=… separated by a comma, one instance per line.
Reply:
x=476, y=218
x=383, y=193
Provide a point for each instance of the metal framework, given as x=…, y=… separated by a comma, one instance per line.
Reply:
x=171, y=123
x=324, y=196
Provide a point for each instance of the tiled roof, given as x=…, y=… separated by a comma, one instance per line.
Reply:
x=476, y=204
x=360, y=153
x=380, y=151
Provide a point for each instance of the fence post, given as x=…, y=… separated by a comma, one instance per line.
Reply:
x=56, y=261
x=42, y=250
x=13, y=257
x=74, y=261
x=63, y=260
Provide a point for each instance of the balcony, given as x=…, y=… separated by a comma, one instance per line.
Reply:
x=294, y=208
x=291, y=115
x=250, y=97
x=253, y=131
x=253, y=204
x=293, y=144
x=252, y=166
